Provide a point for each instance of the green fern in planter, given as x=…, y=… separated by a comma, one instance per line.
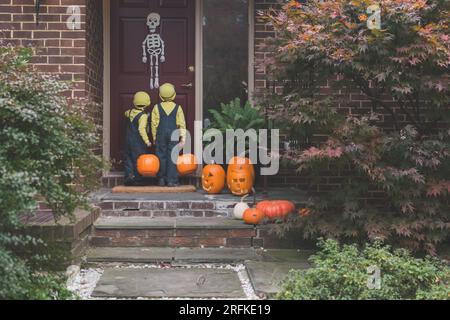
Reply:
x=233, y=116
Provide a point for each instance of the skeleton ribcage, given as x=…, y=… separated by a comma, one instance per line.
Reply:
x=154, y=45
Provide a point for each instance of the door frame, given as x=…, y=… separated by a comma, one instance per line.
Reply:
x=198, y=69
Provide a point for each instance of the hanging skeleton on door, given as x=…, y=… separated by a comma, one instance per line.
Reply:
x=153, y=46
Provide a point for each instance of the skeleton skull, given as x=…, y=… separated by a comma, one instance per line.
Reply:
x=153, y=21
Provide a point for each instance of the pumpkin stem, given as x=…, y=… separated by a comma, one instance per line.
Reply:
x=243, y=198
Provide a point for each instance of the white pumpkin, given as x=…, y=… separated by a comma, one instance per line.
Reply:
x=239, y=209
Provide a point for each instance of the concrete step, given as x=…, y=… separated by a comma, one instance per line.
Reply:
x=132, y=283
x=172, y=255
x=172, y=232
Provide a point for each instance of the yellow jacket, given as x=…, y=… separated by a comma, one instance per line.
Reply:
x=168, y=107
x=143, y=122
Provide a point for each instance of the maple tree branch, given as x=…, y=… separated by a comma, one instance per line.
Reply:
x=375, y=98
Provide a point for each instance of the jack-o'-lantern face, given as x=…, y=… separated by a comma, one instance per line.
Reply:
x=213, y=179
x=241, y=163
x=240, y=182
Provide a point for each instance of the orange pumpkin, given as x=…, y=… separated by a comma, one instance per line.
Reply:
x=253, y=216
x=186, y=164
x=241, y=163
x=148, y=165
x=276, y=208
x=240, y=182
x=213, y=179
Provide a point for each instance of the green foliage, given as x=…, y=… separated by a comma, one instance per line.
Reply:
x=391, y=157
x=23, y=277
x=46, y=153
x=234, y=116
x=341, y=273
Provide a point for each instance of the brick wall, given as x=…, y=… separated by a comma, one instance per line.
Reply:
x=74, y=54
x=58, y=49
x=262, y=32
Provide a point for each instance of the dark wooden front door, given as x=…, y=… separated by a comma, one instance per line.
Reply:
x=129, y=74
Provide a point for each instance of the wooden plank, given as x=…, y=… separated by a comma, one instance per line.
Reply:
x=154, y=189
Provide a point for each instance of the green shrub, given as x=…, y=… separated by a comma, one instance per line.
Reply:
x=46, y=153
x=341, y=273
x=234, y=116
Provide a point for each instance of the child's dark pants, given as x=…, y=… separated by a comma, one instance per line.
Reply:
x=134, y=148
x=164, y=145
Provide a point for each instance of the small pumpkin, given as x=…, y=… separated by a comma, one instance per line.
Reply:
x=239, y=209
x=276, y=208
x=148, y=165
x=253, y=216
x=240, y=182
x=187, y=164
x=213, y=179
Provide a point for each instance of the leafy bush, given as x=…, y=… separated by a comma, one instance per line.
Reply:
x=389, y=157
x=45, y=154
x=234, y=116
x=347, y=273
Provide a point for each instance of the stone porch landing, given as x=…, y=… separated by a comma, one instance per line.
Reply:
x=194, y=204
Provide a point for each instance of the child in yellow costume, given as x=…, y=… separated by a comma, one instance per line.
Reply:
x=167, y=116
x=137, y=141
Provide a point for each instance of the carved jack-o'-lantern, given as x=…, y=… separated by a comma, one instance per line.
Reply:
x=240, y=182
x=213, y=178
x=240, y=176
x=148, y=165
x=240, y=163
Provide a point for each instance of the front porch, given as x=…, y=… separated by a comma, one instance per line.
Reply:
x=194, y=219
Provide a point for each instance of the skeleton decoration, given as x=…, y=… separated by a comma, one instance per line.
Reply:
x=153, y=46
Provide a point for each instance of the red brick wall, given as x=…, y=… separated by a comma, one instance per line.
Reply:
x=58, y=49
x=74, y=54
x=262, y=32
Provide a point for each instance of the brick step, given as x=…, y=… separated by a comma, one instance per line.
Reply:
x=172, y=232
x=165, y=208
x=195, y=204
